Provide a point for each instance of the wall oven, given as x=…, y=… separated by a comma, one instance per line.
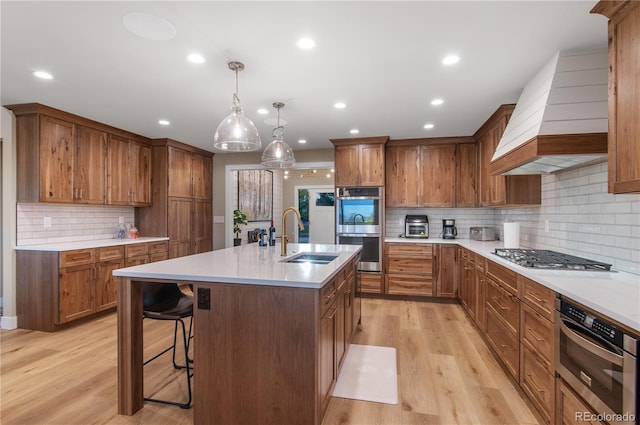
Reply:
x=599, y=361
x=359, y=222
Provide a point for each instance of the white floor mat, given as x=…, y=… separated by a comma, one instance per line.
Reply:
x=369, y=373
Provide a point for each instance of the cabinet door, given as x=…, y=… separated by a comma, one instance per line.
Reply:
x=497, y=184
x=75, y=295
x=56, y=160
x=106, y=284
x=402, y=184
x=328, y=364
x=571, y=410
x=466, y=184
x=179, y=172
x=202, y=226
x=140, y=173
x=346, y=163
x=180, y=227
x=90, y=166
x=201, y=171
x=438, y=176
x=118, y=171
x=447, y=280
x=371, y=165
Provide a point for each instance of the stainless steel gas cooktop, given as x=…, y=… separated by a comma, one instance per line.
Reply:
x=545, y=259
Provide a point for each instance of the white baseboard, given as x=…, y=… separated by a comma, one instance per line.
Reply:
x=9, y=322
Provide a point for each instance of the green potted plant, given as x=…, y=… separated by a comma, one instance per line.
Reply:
x=238, y=218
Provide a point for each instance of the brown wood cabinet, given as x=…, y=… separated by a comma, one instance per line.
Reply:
x=571, y=409
x=466, y=175
x=64, y=158
x=502, y=190
x=182, y=208
x=447, y=275
x=424, y=173
x=409, y=269
x=473, y=286
x=371, y=282
x=64, y=286
x=624, y=94
x=360, y=161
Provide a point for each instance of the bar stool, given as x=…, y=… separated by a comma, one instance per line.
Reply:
x=168, y=302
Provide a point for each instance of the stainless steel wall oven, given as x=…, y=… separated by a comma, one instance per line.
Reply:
x=359, y=222
x=599, y=361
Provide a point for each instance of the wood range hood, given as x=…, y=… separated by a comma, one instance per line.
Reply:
x=560, y=119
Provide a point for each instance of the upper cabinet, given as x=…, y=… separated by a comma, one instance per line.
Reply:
x=360, y=161
x=430, y=172
x=64, y=158
x=498, y=190
x=624, y=94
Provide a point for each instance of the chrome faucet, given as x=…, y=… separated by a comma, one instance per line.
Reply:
x=285, y=239
x=356, y=215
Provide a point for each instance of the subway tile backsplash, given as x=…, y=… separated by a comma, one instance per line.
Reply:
x=583, y=219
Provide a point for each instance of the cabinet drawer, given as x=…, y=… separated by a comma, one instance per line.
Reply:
x=403, y=285
x=158, y=247
x=502, y=275
x=505, y=305
x=160, y=256
x=538, y=384
x=538, y=335
x=410, y=249
x=409, y=265
x=370, y=282
x=540, y=298
x=136, y=249
x=328, y=294
x=504, y=343
x=110, y=253
x=136, y=261
x=77, y=257
x=341, y=280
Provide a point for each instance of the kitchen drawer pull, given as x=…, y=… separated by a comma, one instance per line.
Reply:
x=330, y=313
x=532, y=295
x=533, y=384
x=495, y=299
x=330, y=295
x=535, y=335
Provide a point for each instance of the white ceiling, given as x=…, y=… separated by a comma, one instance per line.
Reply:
x=382, y=58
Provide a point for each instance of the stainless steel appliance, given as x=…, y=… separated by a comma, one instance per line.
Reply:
x=482, y=233
x=449, y=230
x=359, y=222
x=598, y=360
x=416, y=226
x=545, y=259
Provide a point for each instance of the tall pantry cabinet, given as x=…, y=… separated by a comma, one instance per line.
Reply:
x=182, y=198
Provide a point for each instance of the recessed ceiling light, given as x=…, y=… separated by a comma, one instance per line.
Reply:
x=305, y=43
x=354, y=131
x=339, y=105
x=163, y=122
x=302, y=141
x=450, y=60
x=328, y=176
x=436, y=102
x=286, y=177
x=196, y=58
x=333, y=170
x=263, y=111
x=286, y=172
x=428, y=126
x=148, y=26
x=43, y=74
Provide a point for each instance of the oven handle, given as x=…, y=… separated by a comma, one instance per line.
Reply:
x=360, y=235
x=573, y=335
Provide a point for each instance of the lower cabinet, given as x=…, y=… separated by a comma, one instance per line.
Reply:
x=409, y=269
x=571, y=409
x=447, y=275
x=371, y=282
x=64, y=286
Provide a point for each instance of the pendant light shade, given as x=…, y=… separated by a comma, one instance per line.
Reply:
x=237, y=133
x=278, y=154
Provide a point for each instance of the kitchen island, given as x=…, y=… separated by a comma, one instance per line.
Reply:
x=269, y=335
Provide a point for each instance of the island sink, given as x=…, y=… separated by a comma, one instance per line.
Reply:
x=312, y=258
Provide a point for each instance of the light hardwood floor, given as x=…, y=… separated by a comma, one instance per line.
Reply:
x=446, y=373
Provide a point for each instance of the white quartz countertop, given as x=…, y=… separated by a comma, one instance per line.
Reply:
x=249, y=264
x=614, y=294
x=97, y=243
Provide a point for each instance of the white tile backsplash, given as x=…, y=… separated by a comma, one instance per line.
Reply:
x=584, y=219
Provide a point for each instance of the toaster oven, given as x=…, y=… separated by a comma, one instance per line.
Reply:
x=482, y=233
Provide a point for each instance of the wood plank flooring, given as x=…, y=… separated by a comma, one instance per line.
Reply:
x=446, y=373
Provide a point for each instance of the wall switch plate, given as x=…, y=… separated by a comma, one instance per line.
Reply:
x=218, y=219
x=47, y=222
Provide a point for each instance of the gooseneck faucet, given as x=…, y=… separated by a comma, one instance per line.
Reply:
x=355, y=216
x=285, y=239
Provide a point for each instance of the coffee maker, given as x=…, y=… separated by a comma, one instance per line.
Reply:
x=449, y=230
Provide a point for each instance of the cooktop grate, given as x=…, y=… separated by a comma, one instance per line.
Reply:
x=545, y=259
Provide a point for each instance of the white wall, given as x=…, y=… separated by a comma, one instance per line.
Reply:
x=9, y=318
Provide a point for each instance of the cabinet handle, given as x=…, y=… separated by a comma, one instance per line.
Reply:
x=532, y=295
x=80, y=193
x=533, y=384
x=536, y=336
x=348, y=295
x=330, y=313
x=330, y=295
x=495, y=299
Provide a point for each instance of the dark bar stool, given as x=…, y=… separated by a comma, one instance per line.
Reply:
x=167, y=302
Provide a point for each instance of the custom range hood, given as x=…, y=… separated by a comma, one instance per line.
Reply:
x=560, y=120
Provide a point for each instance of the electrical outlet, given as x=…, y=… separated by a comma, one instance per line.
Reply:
x=546, y=225
x=47, y=222
x=120, y=220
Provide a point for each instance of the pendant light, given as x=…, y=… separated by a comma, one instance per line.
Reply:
x=278, y=154
x=236, y=133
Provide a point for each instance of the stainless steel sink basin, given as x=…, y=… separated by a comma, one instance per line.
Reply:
x=312, y=258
